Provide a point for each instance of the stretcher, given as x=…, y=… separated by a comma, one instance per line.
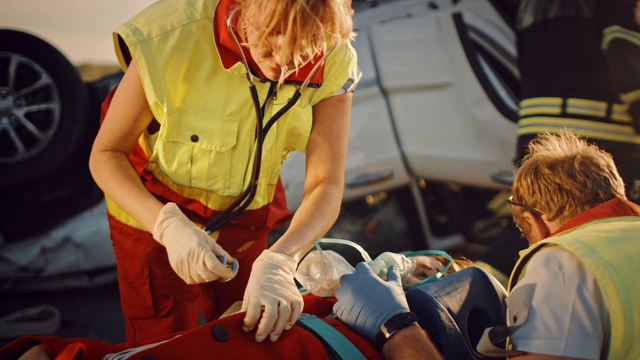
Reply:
x=456, y=309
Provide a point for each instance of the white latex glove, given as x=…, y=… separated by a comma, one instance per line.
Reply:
x=192, y=252
x=271, y=291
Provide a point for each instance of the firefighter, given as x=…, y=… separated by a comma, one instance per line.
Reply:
x=580, y=67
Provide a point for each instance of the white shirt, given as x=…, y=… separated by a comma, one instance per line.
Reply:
x=567, y=314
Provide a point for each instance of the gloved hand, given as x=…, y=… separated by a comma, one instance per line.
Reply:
x=192, y=252
x=365, y=301
x=271, y=291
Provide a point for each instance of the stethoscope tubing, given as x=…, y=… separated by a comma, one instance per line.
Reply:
x=247, y=196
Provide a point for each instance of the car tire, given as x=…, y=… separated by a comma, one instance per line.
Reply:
x=44, y=107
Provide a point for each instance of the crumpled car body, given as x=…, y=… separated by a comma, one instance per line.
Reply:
x=437, y=104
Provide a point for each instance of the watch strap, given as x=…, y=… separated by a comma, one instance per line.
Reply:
x=393, y=325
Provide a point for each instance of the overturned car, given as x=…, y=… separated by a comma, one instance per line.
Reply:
x=433, y=118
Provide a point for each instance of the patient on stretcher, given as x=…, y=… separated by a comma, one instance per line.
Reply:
x=224, y=337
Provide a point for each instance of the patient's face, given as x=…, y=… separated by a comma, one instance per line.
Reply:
x=425, y=267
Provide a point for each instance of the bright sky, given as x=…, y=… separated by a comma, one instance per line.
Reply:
x=81, y=29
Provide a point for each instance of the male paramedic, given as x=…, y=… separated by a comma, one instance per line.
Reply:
x=573, y=292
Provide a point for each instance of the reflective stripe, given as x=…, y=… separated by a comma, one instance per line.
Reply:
x=540, y=110
x=619, y=113
x=537, y=101
x=588, y=128
x=618, y=32
x=116, y=211
x=586, y=107
x=573, y=106
x=129, y=353
x=541, y=106
x=631, y=96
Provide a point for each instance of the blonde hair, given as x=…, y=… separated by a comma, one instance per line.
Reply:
x=563, y=175
x=306, y=26
x=458, y=262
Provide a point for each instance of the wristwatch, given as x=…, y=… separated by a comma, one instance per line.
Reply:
x=393, y=325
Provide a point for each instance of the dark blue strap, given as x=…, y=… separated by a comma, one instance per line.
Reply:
x=337, y=345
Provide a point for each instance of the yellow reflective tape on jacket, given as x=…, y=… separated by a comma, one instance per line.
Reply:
x=618, y=32
x=586, y=107
x=587, y=128
x=541, y=106
x=631, y=96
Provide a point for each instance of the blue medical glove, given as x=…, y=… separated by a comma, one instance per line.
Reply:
x=365, y=301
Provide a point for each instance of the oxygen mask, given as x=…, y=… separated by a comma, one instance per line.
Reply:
x=320, y=270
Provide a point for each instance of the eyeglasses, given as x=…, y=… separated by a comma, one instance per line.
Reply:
x=528, y=208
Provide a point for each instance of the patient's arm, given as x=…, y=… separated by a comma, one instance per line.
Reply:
x=35, y=353
x=365, y=302
x=410, y=343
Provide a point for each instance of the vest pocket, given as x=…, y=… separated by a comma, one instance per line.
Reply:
x=197, y=149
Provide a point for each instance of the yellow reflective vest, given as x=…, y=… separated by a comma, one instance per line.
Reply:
x=204, y=148
x=610, y=248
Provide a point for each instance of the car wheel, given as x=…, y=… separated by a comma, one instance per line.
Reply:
x=43, y=108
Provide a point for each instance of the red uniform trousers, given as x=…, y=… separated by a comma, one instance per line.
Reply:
x=155, y=301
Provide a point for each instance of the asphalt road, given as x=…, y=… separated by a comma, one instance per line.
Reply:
x=90, y=313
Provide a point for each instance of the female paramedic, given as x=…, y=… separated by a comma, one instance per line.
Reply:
x=215, y=95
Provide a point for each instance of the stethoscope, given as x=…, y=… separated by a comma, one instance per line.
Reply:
x=245, y=199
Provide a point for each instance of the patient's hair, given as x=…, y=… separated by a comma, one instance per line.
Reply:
x=458, y=263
